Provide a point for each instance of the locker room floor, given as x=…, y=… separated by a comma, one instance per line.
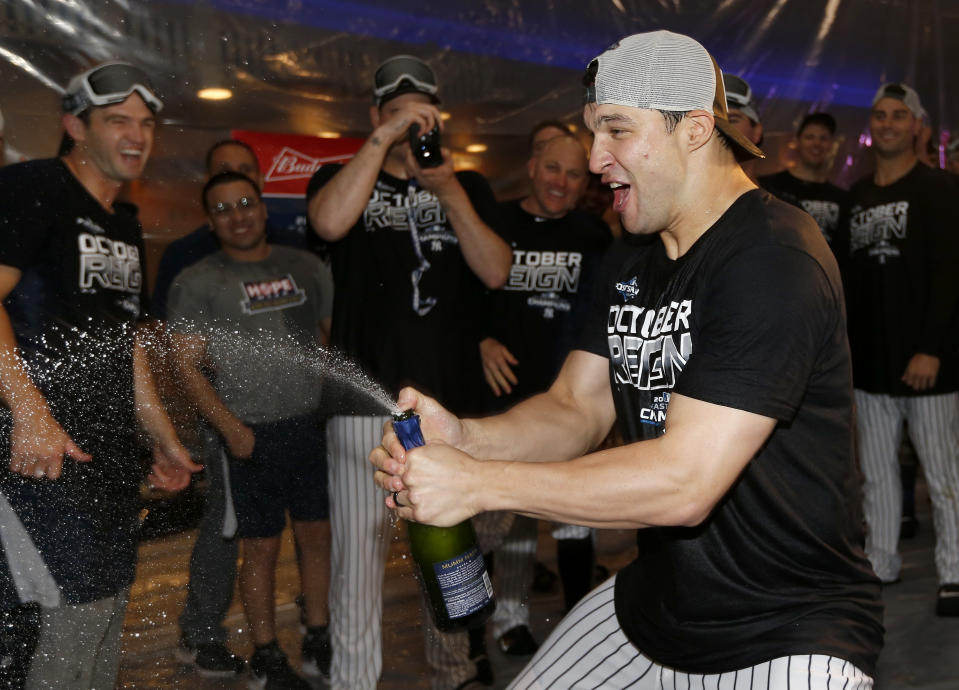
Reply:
x=921, y=652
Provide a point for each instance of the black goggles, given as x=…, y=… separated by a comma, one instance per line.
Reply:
x=109, y=84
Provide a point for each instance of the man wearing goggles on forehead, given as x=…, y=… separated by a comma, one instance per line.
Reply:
x=77, y=384
x=411, y=245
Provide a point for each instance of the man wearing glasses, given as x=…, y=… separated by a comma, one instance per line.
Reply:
x=256, y=312
x=76, y=382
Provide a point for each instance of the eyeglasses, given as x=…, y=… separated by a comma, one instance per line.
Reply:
x=108, y=84
x=243, y=204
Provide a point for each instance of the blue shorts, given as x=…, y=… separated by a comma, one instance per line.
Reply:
x=287, y=472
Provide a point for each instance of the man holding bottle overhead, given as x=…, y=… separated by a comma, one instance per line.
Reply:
x=411, y=247
x=722, y=351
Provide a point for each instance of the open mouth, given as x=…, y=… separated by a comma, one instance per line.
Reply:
x=131, y=155
x=620, y=195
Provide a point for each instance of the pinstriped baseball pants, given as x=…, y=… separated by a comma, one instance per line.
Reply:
x=934, y=431
x=359, y=521
x=588, y=650
x=515, y=559
x=360, y=540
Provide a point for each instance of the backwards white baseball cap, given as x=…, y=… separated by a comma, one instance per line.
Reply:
x=901, y=92
x=662, y=70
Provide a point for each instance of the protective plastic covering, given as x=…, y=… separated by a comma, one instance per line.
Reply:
x=305, y=67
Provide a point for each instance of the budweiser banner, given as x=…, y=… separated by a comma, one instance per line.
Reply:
x=288, y=161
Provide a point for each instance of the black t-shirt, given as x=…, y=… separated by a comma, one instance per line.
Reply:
x=750, y=317
x=405, y=303
x=900, y=277
x=74, y=312
x=538, y=314
x=825, y=202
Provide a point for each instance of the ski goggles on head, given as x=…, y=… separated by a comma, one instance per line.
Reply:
x=109, y=84
x=403, y=74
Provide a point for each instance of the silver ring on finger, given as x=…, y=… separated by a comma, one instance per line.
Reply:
x=396, y=499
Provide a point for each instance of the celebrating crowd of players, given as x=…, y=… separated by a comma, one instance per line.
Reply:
x=714, y=333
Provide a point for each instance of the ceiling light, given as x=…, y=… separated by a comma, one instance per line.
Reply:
x=445, y=115
x=214, y=93
x=476, y=148
x=328, y=135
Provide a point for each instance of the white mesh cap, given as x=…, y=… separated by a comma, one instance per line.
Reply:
x=659, y=70
x=662, y=70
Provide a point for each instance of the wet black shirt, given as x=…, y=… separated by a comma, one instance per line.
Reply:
x=73, y=312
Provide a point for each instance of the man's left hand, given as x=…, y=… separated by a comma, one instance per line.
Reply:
x=921, y=372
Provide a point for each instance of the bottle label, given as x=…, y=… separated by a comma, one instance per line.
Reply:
x=464, y=583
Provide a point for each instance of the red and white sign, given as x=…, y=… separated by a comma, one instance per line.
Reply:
x=289, y=160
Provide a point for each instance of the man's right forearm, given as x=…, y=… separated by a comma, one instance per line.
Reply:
x=565, y=422
x=338, y=205
x=17, y=390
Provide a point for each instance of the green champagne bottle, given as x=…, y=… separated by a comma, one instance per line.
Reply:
x=450, y=564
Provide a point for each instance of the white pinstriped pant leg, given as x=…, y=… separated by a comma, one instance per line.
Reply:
x=588, y=650
x=934, y=430
x=514, y=562
x=360, y=539
x=448, y=654
x=879, y=421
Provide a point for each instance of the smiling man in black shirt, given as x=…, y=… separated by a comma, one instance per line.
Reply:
x=721, y=350
x=807, y=184
x=900, y=282
x=76, y=382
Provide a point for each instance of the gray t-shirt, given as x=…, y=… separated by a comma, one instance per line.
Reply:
x=261, y=321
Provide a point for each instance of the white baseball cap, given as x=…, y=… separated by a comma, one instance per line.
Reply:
x=662, y=70
x=901, y=92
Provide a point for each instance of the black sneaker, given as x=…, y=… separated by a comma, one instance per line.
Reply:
x=317, y=652
x=518, y=641
x=947, y=602
x=211, y=660
x=271, y=671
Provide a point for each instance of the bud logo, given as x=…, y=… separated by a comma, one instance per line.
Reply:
x=290, y=164
x=628, y=290
x=270, y=295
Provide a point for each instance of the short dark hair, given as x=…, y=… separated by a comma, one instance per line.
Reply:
x=822, y=119
x=545, y=124
x=673, y=118
x=228, y=142
x=67, y=144
x=225, y=178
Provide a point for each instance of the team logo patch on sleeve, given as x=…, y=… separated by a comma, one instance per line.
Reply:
x=269, y=295
x=628, y=290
